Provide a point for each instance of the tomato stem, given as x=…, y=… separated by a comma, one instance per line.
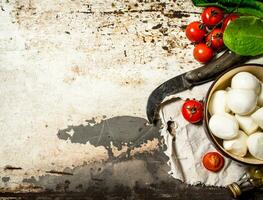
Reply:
x=214, y=12
x=202, y=26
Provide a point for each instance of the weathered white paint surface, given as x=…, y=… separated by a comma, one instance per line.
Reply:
x=63, y=62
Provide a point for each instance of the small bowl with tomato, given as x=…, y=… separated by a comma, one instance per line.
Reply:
x=224, y=82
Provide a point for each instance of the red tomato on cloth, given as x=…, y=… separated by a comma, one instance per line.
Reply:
x=192, y=111
x=213, y=161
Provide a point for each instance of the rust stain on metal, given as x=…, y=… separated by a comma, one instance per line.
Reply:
x=78, y=70
x=158, y=7
x=24, y=8
x=133, y=81
x=9, y=167
x=22, y=189
x=59, y=173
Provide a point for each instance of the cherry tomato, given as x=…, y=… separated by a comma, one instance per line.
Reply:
x=228, y=19
x=212, y=15
x=213, y=161
x=195, y=31
x=192, y=111
x=215, y=39
x=203, y=53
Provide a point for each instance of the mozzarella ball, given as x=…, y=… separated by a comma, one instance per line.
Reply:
x=224, y=126
x=218, y=103
x=245, y=80
x=258, y=117
x=238, y=145
x=247, y=124
x=255, y=145
x=260, y=97
x=241, y=102
x=228, y=89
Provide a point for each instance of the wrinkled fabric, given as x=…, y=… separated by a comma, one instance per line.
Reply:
x=188, y=144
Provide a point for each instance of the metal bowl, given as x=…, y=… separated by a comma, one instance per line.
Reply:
x=222, y=82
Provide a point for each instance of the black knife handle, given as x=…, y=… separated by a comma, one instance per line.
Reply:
x=214, y=68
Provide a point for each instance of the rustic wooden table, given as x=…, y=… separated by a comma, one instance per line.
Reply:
x=75, y=77
x=141, y=176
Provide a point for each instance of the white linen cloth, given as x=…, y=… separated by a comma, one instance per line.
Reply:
x=187, y=146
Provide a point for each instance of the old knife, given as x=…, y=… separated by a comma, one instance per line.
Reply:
x=189, y=79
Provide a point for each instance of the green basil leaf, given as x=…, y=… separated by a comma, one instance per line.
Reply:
x=249, y=11
x=243, y=7
x=205, y=3
x=244, y=36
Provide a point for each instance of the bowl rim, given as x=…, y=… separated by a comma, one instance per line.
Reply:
x=205, y=119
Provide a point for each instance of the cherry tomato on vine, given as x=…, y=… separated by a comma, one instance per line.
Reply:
x=212, y=15
x=228, y=20
x=215, y=39
x=192, y=111
x=195, y=31
x=213, y=161
x=203, y=53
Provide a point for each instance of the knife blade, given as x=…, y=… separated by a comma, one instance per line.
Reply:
x=189, y=79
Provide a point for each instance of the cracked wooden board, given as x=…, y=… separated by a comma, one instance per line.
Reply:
x=78, y=66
